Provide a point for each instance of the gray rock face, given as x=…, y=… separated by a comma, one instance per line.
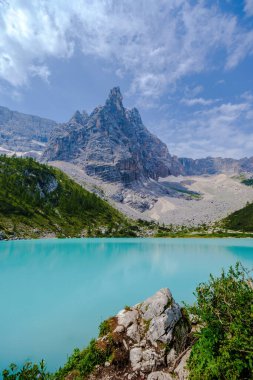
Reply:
x=159, y=375
x=150, y=337
x=214, y=165
x=23, y=133
x=111, y=143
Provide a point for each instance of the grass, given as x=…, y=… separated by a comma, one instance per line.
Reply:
x=241, y=220
x=37, y=200
x=248, y=182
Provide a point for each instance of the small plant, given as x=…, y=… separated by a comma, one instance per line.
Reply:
x=104, y=328
x=82, y=363
x=224, y=349
x=146, y=324
x=29, y=371
x=127, y=308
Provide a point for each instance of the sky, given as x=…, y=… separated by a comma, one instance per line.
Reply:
x=186, y=65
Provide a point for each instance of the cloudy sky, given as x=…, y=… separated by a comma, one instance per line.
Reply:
x=187, y=65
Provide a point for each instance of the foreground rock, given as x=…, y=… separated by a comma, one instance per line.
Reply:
x=150, y=341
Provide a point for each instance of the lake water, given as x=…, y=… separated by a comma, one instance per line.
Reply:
x=54, y=293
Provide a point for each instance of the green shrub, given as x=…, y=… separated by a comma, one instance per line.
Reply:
x=104, y=328
x=35, y=196
x=224, y=349
x=28, y=372
x=84, y=362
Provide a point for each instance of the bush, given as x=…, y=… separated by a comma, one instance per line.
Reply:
x=84, y=362
x=28, y=372
x=224, y=308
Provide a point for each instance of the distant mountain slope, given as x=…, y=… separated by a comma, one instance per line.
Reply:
x=23, y=133
x=112, y=144
x=241, y=220
x=37, y=200
x=215, y=165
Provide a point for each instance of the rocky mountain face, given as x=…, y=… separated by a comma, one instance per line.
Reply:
x=23, y=134
x=214, y=165
x=111, y=143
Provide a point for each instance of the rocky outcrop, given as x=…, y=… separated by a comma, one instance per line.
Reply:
x=148, y=340
x=214, y=165
x=111, y=144
x=23, y=134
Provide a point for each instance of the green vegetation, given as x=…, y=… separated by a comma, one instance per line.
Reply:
x=37, y=200
x=82, y=363
x=241, y=220
x=28, y=372
x=248, y=182
x=104, y=328
x=224, y=308
x=217, y=230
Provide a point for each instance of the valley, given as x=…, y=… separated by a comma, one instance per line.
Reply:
x=188, y=200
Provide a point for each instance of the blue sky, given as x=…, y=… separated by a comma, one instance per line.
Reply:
x=186, y=65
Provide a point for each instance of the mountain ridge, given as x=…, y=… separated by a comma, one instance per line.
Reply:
x=30, y=135
x=111, y=143
x=23, y=134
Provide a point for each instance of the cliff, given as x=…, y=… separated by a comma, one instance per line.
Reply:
x=23, y=134
x=111, y=144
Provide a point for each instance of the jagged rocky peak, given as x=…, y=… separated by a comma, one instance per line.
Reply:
x=111, y=143
x=134, y=116
x=79, y=117
x=114, y=99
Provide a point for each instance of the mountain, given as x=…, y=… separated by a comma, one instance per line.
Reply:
x=23, y=134
x=111, y=144
x=241, y=220
x=38, y=200
x=215, y=165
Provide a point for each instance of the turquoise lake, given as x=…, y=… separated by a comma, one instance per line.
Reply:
x=54, y=293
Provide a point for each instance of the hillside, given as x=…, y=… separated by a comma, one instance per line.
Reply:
x=22, y=133
x=241, y=220
x=37, y=200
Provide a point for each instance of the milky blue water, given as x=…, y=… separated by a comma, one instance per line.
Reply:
x=54, y=293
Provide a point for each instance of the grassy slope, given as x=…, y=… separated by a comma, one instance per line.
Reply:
x=241, y=220
x=36, y=199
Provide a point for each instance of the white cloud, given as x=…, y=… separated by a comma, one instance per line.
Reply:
x=157, y=44
x=248, y=7
x=223, y=130
x=40, y=71
x=198, y=101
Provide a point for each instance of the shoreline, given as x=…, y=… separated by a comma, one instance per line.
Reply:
x=129, y=238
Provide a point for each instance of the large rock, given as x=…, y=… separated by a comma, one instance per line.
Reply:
x=148, y=339
x=181, y=370
x=159, y=375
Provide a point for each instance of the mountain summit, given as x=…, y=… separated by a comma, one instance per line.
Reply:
x=111, y=143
